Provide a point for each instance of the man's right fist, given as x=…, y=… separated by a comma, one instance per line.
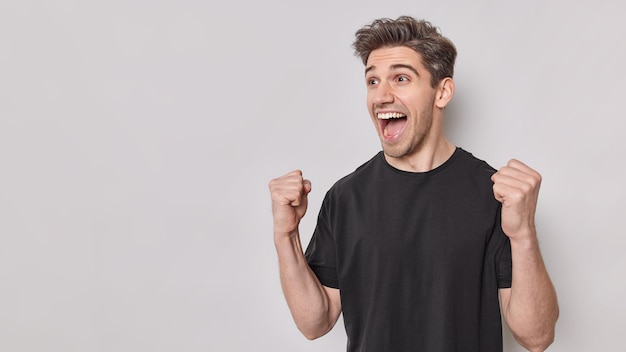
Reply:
x=289, y=201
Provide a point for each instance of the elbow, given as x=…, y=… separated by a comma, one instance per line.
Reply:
x=311, y=337
x=312, y=334
x=538, y=345
x=538, y=335
x=538, y=342
x=315, y=330
x=537, y=339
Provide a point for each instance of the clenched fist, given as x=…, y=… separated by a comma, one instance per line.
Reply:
x=516, y=186
x=289, y=202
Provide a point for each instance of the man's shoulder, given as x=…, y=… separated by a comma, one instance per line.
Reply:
x=361, y=173
x=357, y=180
x=473, y=164
x=472, y=174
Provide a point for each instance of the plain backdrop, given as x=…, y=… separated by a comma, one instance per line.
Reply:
x=137, y=140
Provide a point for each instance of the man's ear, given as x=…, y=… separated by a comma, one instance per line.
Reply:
x=445, y=91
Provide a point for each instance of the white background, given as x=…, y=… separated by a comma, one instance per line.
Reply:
x=137, y=139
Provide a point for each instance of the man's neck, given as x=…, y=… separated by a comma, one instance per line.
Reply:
x=427, y=158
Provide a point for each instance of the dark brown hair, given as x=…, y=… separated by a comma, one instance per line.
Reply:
x=438, y=52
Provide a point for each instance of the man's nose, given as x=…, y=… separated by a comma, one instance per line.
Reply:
x=383, y=93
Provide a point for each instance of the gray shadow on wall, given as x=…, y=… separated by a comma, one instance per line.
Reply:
x=456, y=122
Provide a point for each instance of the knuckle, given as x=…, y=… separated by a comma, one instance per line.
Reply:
x=525, y=188
x=518, y=196
x=538, y=178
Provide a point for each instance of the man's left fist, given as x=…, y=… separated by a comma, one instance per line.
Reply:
x=516, y=186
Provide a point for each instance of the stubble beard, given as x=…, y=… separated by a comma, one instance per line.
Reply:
x=413, y=144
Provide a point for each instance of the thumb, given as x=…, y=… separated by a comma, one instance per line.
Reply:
x=307, y=186
x=497, y=196
x=302, y=198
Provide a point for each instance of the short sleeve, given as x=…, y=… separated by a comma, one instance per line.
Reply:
x=321, y=253
x=505, y=266
x=504, y=263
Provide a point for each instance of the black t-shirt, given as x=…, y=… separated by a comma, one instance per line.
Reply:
x=418, y=257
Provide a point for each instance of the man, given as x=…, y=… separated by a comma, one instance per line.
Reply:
x=424, y=246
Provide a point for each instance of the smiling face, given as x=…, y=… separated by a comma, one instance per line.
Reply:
x=405, y=108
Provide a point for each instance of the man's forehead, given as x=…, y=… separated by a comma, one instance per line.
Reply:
x=392, y=58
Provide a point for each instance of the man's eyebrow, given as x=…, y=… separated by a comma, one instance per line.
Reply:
x=395, y=67
x=409, y=67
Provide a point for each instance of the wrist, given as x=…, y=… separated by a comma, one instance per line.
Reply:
x=524, y=239
x=289, y=249
x=522, y=232
x=285, y=235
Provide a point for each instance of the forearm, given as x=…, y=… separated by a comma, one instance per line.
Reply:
x=532, y=308
x=312, y=309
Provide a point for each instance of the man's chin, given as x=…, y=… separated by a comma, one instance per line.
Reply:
x=393, y=151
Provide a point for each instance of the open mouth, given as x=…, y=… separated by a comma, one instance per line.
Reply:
x=391, y=124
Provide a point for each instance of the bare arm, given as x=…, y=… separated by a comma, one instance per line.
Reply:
x=530, y=306
x=315, y=308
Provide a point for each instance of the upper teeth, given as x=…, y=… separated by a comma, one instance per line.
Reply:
x=390, y=115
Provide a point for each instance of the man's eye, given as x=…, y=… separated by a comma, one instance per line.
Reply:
x=403, y=79
x=372, y=81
